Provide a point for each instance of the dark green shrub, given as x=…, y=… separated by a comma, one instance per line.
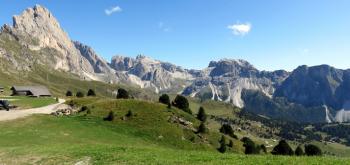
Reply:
x=227, y=129
x=83, y=108
x=202, y=128
x=91, y=93
x=263, y=148
x=222, y=147
x=299, y=151
x=181, y=102
x=282, y=148
x=109, y=117
x=250, y=146
x=129, y=114
x=164, y=99
x=312, y=150
x=169, y=106
x=80, y=94
x=230, y=144
x=69, y=93
x=122, y=94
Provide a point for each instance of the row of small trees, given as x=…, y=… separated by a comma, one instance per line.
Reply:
x=283, y=148
x=121, y=94
x=81, y=94
x=180, y=102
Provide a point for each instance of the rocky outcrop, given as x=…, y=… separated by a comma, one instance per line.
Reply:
x=225, y=80
x=149, y=73
x=319, y=86
x=98, y=64
x=44, y=30
x=315, y=86
x=39, y=39
x=120, y=63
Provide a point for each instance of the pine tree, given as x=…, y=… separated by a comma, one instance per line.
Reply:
x=169, y=106
x=202, y=116
x=181, y=102
x=165, y=99
x=69, y=93
x=91, y=93
x=228, y=130
x=129, y=114
x=230, y=144
x=312, y=150
x=202, y=128
x=282, y=148
x=222, y=142
x=80, y=94
x=299, y=151
x=263, y=148
x=250, y=146
x=122, y=94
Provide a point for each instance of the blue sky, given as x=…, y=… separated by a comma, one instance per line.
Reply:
x=270, y=34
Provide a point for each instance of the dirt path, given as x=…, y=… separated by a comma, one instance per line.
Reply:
x=15, y=114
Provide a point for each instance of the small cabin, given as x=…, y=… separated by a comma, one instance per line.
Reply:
x=2, y=89
x=34, y=91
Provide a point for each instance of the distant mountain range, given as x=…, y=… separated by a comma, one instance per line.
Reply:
x=36, y=38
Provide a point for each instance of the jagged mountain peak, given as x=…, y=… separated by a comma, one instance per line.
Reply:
x=97, y=62
x=35, y=19
x=316, y=85
x=231, y=67
x=235, y=62
x=37, y=29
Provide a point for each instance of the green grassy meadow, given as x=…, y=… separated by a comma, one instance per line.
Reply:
x=145, y=138
x=24, y=102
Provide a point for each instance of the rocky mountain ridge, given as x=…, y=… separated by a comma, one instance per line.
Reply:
x=36, y=38
x=321, y=85
x=224, y=80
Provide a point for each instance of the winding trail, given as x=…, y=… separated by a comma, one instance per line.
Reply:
x=15, y=114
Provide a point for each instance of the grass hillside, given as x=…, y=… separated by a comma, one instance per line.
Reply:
x=59, y=82
x=147, y=137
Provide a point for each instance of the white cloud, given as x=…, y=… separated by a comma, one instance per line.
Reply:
x=164, y=28
x=304, y=51
x=113, y=10
x=240, y=29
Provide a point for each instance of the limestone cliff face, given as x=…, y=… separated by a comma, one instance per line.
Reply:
x=319, y=86
x=150, y=73
x=39, y=24
x=41, y=40
x=98, y=64
x=225, y=80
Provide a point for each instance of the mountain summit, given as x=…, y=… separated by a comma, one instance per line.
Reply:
x=40, y=25
x=44, y=42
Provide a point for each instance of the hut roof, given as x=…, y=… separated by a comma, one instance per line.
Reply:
x=35, y=90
